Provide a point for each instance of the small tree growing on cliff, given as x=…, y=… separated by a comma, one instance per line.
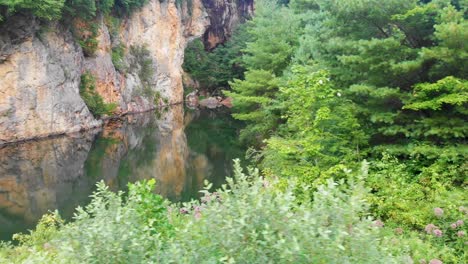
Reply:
x=92, y=99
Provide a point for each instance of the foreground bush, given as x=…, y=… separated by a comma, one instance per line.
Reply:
x=248, y=221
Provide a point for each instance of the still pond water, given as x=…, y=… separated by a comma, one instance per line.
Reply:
x=179, y=148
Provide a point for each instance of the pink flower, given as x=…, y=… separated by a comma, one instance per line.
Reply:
x=459, y=222
x=438, y=211
x=183, y=211
x=429, y=228
x=197, y=215
x=399, y=230
x=197, y=209
x=435, y=261
x=378, y=223
x=437, y=233
x=463, y=209
x=453, y=225
x=461, y=233
x=206, y=199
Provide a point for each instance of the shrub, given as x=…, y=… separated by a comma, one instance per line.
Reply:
x=92, y=99
x=247, y=221
x=118, y=53
x=251, y=221
x=48, y=9
x=86, y=33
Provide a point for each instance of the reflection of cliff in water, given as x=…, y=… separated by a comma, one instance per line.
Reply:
x=42, y=175
x=60, y=173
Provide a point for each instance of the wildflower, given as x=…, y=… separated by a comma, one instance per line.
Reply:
x=463, y=209
x=435, y=261
x=197, y=215
x=183, y=210
x=320, y=81
x=437, y=233
x=429, y=228
x=206, y=199
x=438, y=211
x=197, y=209
x=379, y=223
x=398, y=230
x=459, y=222
x=453, y=225
x=338, y=94
x=461, y=233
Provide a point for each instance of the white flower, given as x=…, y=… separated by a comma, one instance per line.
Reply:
x=338, y=94
x=320, y=81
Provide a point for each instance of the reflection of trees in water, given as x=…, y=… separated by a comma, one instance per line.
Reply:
x=212, y=138
x=179, y=151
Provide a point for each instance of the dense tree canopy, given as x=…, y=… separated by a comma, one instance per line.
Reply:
x=330, y=83
x=55, y=9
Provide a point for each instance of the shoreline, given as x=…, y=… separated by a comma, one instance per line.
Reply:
x=102, y=122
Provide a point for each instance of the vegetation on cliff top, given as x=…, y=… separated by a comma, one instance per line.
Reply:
x=57, y=9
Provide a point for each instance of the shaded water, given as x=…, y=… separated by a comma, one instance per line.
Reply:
x=180, y=149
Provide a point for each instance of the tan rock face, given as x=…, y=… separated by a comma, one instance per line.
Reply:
x=224, y=16
x=43, y=175
x=163, y=30
x=39, y=86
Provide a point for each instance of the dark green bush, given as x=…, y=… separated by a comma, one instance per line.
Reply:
x=86, y=33
x=118, y=53
x=92, y=99
x=46, y=9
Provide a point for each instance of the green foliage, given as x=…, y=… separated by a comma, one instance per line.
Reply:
x=274, y=36
x=83, y=9
x=252, y=97
x=86, y=33
x=118, y=53
x=364, y=79
x=113, y=24
x=69, y=9
x=45, y=9
x=105, y=6
x=320, y=131
x=91, y=97
x=45, y=230
x=214, y=69
x=125, y=7
x=248, y=221
x=257, y=223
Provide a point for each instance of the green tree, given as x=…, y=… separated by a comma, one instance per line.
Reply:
x=214, y=69
x=253, y=99
x=274, y=36
x=44, y=9
x=320, y=131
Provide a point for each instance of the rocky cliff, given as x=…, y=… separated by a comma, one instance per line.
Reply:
x=41, y=64
x=224, y=16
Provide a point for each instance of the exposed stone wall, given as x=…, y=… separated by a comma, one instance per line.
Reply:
x=41, y=65
x=225, y=15
x=39, y=82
